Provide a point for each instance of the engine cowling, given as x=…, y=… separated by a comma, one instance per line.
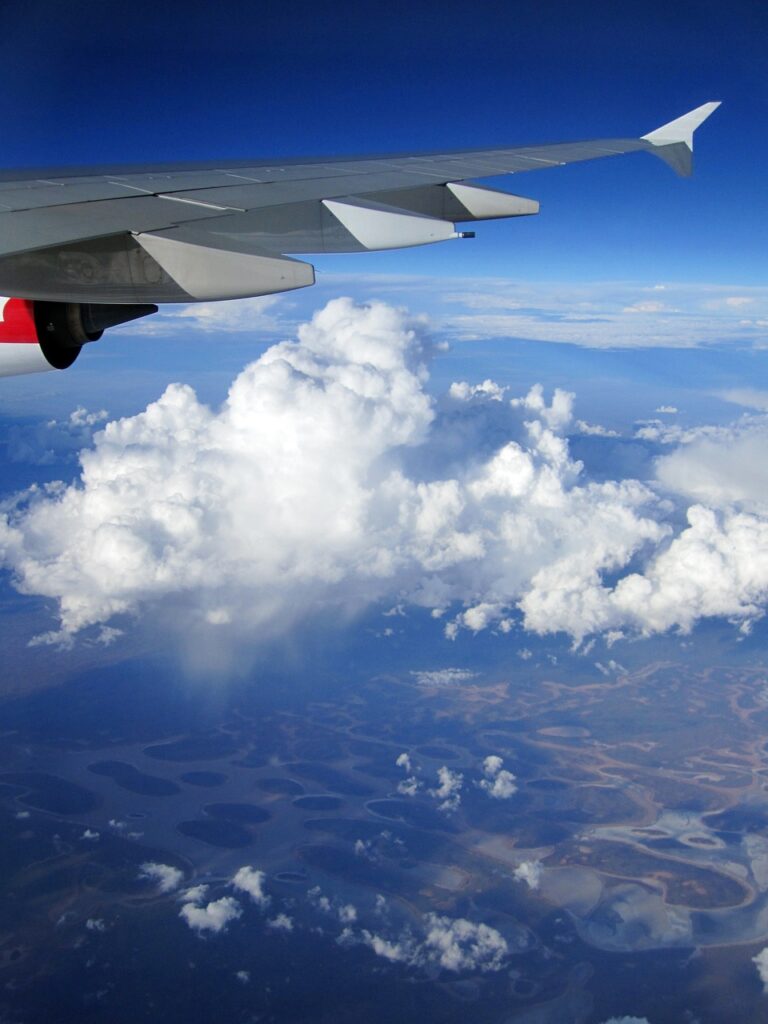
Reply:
x=37, y=336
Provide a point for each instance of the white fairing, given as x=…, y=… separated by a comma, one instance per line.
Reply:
x=487, y=204
x=205, y=272
x=19, y=357
x=378, y=228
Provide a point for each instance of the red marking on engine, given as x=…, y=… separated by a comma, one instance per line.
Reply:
x=17, y=321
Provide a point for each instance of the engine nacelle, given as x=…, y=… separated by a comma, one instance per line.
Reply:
x=37, y=336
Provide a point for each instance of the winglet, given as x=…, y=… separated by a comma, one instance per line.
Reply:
x=682, y=128
x=674, y=140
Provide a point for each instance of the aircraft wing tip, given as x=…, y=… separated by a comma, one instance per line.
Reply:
x=681, y=129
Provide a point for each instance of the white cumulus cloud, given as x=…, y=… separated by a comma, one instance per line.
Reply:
x=280, y=923
x=251, y=881
x=721, y=469
x=761, y=963
x=529, y=872
x=298, y=496
x=213, y=917
x=448, y=789
x=167, y=877
x=498, y=782
x=453, y=944
x=459, y=945
x=409, y=786
x=627, y=1020
x=195, y=894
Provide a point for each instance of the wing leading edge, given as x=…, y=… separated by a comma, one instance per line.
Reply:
x=201, y=232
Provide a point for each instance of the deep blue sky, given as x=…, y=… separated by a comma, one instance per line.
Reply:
x=97, y=82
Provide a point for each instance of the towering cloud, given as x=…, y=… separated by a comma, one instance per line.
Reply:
x=329, y=479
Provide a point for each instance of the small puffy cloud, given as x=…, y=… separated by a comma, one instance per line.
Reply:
x=612, y=668
x=403, y=761
x=594, y=429
x=96, y=924
x=195, y=894
x=492, y=765
x=409, y=786
x=453, y=944
x=243, y=977
x=627, y=1020
x=251, y=881
x=461, y=391
x=281, y=923
x=529, y=872
x=668, y=410
x=396, y=951
x=347, y=913
x=761, y=963
x=502, y=787
x=556, y=416
x=167, y=877
x=318, y=900
x=498, y=782
x=212, y=917
x=448, y=789
x=23, y=815
x=461, y=945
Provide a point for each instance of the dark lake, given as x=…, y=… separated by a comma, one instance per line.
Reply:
x=206, y=779
x=193, y=748
x=248, y=814
x=282, y=787
x=330, y=778
x=318, y=803
x=227, y=834
x=50, y=793
x=129, y=777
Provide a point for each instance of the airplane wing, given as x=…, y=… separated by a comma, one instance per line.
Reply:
x=132, y=237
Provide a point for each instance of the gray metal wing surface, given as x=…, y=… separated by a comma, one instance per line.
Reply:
x=205, y=231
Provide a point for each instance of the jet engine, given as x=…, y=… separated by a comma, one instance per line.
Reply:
x=36, y=336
